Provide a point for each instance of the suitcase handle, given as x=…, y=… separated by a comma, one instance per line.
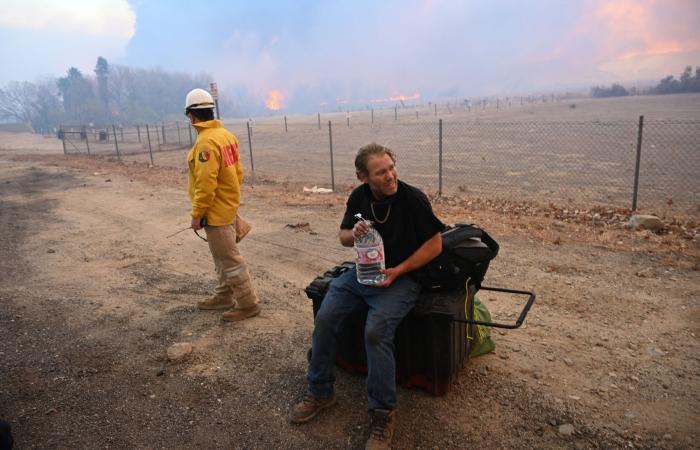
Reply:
x=523, y=313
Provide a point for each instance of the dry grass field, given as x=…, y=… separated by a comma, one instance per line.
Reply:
x=93, y=293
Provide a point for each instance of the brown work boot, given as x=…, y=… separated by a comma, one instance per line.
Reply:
x=236, y=314
x=309, y=406
x=215, y=303
x=381, y=430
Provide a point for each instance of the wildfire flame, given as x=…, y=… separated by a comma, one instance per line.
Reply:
x=396, y=98
x=275, y=100
x=655, y=49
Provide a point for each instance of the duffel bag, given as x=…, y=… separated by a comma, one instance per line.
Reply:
x=467, y=251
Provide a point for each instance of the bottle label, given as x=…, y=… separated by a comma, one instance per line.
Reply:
x=370, y=255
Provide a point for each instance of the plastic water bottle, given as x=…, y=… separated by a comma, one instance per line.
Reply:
x=369, y=255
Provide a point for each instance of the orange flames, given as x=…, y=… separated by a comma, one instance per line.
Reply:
x=396, y=98
x=275, y=100
x=660, y=48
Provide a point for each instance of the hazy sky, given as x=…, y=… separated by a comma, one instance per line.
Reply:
x=359, y=50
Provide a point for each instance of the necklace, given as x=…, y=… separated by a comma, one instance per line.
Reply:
x=388, y=211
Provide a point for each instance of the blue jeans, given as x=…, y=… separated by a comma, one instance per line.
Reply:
x=385, y=308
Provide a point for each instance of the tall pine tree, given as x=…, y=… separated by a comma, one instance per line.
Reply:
x=101, y=75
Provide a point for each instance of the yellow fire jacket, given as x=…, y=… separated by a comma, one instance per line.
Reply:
x=215, y=174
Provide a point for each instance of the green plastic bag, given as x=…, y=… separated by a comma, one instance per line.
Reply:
x=480, y=335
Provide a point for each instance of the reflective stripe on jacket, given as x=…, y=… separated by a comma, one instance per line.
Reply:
x=215, y=174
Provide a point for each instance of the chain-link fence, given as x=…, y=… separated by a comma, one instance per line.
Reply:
x=133, y=143
x=669, y=168
x=622, y=163
x=588, y=163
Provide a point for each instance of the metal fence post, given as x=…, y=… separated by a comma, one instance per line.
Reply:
x=250, y=148
x=319, y=120
x=285, y=124
x=189, y=130
x=163, y=130
x=330, y=143
x=179, y=141
x=87, y=144
x=440, y=157
x=138, y=133
x=116, y=144
x=373, y=116
x=636, y=165
x=150, y=152
x=158, y=136
x=62, y=135
x=396, y=113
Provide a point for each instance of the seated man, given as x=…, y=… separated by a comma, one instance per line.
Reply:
x=411, y=233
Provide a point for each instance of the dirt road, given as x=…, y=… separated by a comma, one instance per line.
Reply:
x=93, y=293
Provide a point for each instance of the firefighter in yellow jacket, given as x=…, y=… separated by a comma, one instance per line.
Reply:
x=215, y=177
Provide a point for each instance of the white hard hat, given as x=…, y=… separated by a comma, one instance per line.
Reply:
x=198, y=99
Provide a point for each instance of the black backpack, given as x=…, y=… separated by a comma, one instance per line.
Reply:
x=466, y=253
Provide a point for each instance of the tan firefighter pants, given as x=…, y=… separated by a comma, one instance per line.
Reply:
x=234, y=279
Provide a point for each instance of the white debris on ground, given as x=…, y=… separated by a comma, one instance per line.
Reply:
x=317, y=190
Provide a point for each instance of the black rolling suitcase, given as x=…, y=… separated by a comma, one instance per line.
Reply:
x=431, y=342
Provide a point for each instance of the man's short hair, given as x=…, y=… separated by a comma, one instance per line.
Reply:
x=203, y=114
x=365, y=152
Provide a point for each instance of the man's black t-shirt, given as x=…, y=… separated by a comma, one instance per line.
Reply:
x=405, y=220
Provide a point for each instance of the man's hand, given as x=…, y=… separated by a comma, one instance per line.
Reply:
x=360, y=229
x=425, y=253
x=196, y=223
x=390, y=275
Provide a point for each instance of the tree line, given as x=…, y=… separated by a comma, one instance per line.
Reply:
x=114, y=94
x=687, y=82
